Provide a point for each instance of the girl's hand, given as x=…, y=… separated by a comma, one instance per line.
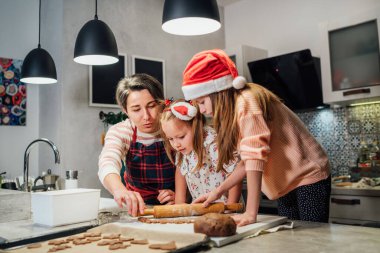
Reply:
x=131, y=199
x=166, y=196
x=208, y=198
x=244, y=219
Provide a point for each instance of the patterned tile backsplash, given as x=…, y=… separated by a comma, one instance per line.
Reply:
x=340, y=131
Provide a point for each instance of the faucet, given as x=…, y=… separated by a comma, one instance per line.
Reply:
x=26, y=159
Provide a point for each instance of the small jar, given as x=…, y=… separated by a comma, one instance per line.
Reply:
x=71, y=181
x=71, y=174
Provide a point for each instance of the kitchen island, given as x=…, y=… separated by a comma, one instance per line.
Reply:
x=310, y=237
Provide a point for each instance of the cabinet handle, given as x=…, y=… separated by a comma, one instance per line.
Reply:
x=358, y=91
x=346, y=201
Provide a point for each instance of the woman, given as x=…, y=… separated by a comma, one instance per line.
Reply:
x=149, y=174
x=280, y=156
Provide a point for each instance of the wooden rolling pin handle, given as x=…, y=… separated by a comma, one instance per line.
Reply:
x=181, y=210
x=236, y=207
x=148, y=211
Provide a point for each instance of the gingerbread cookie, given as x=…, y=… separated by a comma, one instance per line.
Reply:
x=81, y=241
x=57, y=242
x=92, y=234
x=142, y=242
x=58, y=248
x=108, y=242
x=164, y=246
x=118, y=246
x=111, y=236
x=125, y=239
x=34, y=246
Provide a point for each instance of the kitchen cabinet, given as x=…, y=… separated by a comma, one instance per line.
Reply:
x=350, y=63
x=242, y=54
x=355, y=206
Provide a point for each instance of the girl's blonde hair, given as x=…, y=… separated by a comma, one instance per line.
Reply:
x=224, y=112
x=197, y=123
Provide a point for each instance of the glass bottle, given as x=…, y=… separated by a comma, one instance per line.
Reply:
x=374, y=154
x=363, y=159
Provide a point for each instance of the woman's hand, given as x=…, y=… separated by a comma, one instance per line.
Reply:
x=244, y=219
x=166, y=196
x=131, y=199
x=208, y=198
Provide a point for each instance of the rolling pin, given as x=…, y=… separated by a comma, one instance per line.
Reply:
x=183, y=210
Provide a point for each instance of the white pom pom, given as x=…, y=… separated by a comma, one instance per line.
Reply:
x=239, y=82
x=189, y=114
x=192, y=111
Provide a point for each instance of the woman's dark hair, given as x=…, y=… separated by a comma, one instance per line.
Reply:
x=138, y=82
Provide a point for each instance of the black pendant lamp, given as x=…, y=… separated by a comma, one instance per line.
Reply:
x=38, y=66
x=190, y=17
x=96, y=44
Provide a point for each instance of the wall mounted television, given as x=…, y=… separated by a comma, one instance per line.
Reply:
x=294, y=77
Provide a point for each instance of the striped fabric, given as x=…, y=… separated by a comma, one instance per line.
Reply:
x=284, y=150
x=116, y=146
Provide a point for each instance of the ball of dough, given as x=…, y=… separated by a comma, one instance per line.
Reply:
x=215, y=224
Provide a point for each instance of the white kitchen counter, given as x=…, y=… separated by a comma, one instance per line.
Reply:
x=14, y=232
x=347, y=190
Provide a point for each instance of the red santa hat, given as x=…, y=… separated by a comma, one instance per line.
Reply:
x=183, y=110
x=208, y=72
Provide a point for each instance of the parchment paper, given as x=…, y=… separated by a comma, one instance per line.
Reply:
x=182, y=240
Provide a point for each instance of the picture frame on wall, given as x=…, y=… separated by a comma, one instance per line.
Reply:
x=104, y=80
x=151, y=66
x=13, y=95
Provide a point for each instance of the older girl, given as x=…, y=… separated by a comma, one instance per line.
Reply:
x=280, y=156
x=196, y=158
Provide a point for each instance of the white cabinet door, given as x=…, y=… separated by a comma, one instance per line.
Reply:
x=355, y=207
x=242, y=54
x=350, y=58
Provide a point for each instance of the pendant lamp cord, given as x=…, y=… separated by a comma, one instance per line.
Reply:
x=96, y=9
x=39, y=25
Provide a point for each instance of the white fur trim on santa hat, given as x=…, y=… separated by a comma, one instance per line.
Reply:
x=239, y=82
x=191, y=111
x=192, y=91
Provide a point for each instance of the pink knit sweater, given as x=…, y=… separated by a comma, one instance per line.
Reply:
x=284, y=150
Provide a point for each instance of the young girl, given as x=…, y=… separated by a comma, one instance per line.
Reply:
x=280, y=156
x=196, y=153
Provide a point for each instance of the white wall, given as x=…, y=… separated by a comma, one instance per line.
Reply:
x=285, y=26
x=19, y=35
x=50, y=98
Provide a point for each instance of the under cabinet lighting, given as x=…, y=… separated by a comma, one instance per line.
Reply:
x=365, y=103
